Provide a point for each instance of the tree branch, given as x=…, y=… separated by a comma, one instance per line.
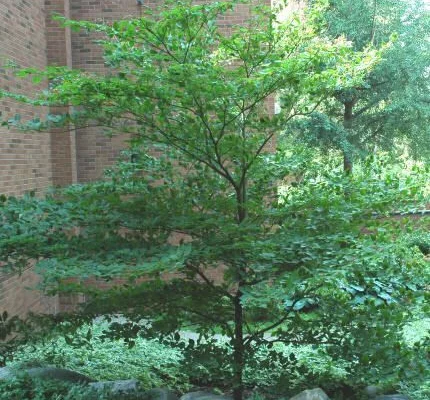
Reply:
x=250, y=338
x=210, y=283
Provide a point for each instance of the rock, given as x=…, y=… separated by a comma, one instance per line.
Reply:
x=392, y=397
x=372, y=390
x=60, y=374
x=160, y=394
x=116, y=387
x=204, y=396
x=311, y=394
x=6, y=373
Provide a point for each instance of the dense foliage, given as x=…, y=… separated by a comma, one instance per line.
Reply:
x=346, y=287
x=391, y=107
x=194, y=228
x=26, y=388
x=158, y=365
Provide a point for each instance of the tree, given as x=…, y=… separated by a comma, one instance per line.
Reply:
x=391, y=107
x=198, y=190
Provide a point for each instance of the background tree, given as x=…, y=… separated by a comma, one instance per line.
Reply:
x=391, y=107
x=198, y=190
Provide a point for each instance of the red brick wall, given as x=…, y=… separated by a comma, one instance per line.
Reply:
x=24, y=158
x=19, y=296
x=59, y=53
x=30, y=37
x=94, y=151
x=35, y=161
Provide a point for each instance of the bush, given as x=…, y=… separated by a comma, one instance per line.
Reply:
x=420, y=240
x=416, y=383
x=279, y=369
x=24, y=387
x=152, y=363
x=421, y=392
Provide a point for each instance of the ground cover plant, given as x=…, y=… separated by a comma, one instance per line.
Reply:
x=26, y=388
x=158, y=365
x=314, y=262
x=152, y=363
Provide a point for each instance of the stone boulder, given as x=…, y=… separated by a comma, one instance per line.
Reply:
x=126, y=386
x=60, y=374
x=6, y=373
x=311, y=394
x=372, y=391
x=159, y=394
x=201, y=395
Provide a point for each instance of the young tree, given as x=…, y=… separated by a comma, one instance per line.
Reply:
x=198, y=192
x=391, y=106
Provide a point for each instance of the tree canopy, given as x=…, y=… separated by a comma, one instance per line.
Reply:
x=198, y=191
x=390, y=109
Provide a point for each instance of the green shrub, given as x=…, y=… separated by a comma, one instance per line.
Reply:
x=278, y=370
x=421, y=392
x=152, y=363
x=275, y=370
x=24, y=387
x=417, y=330
x=420, y=240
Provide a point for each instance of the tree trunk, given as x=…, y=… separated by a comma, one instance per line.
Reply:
x=347, y=163
x=347, y=124
x=238, y=349
x=238, y=346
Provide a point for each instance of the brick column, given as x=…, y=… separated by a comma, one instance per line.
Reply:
x=63, y=146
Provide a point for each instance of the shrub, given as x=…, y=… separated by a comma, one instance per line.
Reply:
x=280, y=369
x=420, y=240
x=149, y=361
x=273, y=371
x=24, y=387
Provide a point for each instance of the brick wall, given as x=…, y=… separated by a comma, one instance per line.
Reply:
x=18, y=295
x=59, y=53
x=29, y=37
x=25, y=159
x=94, y=150
x=35, y=161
